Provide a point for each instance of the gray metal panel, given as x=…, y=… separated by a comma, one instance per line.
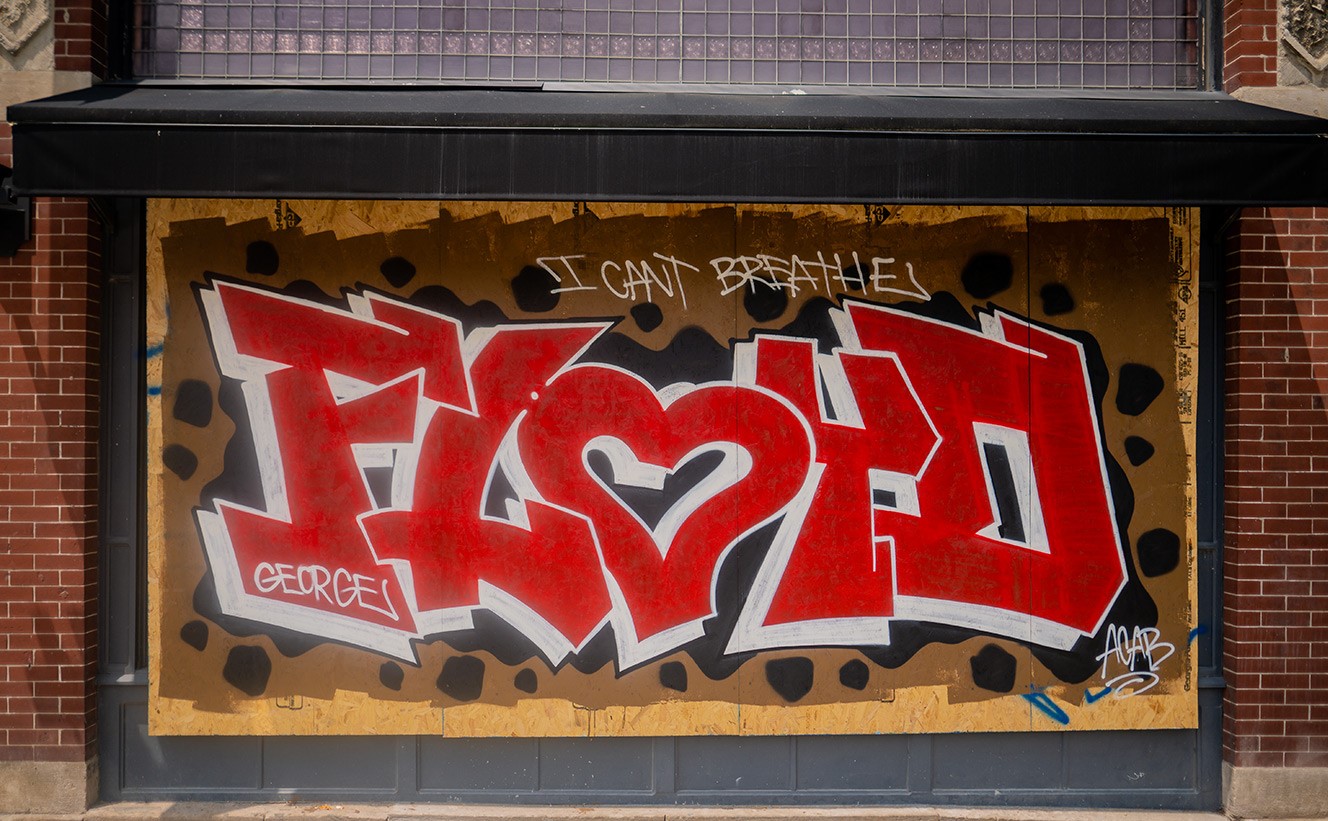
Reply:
x=839, y=763
x=159, y=765
x=988, y=761
x=468, y=765
x=121, y=480
x=734, y=764
x=610, y=764
x=1025, y=769
x=1130, y=761
x=331, y=763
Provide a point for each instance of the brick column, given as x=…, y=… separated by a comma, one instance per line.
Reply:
x=1276, y=551
x=1250, y=44
x=49, y=355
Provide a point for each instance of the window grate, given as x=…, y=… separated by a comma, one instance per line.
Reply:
x=1150, y=44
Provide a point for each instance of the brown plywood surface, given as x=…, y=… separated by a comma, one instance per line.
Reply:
x=832, y=570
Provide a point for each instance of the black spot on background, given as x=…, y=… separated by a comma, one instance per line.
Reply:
x=791, y=678
x=526, y=681
x=398, y=271
x=193, y=403
x=436, y=298
x=854, y=675
x=1139, y=386
x=391, y=675
x=908, y=637
x=986, y=275
x=691, y=356
x=195, y=634
x=533, y=289
x=993, y=669
x=597, y=653
x=943, y=307
x=856, y=277
x=813, y=322
x=462, y=678
x=179, y=460
x=1159, y=552
x=312, y=292
x=1138, y=450
x=1056, y=299
x=648, y=316
x=763, y=302
x=673, y=675
x=247, y=670
x=261, y=258
x=494, y=635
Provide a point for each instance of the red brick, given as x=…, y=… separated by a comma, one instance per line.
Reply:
x=1276, y=382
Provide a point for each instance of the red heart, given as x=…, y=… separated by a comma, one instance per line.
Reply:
x=665, y=593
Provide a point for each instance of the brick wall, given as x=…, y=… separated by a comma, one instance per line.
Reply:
x=1250, y=43
x=49, y=433
x=1276, y=562
x=80, y=36
x=49, y=353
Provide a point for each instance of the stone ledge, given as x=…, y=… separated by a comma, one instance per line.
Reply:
x=1275, y=792
x=1299, y=99
x=66, y=787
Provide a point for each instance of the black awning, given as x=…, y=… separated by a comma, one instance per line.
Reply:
x=1183, y=148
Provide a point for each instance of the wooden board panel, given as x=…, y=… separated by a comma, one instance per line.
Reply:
x=558, y=469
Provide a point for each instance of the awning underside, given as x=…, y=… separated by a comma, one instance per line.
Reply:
x=1187, y=148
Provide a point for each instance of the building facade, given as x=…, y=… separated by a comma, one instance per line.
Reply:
x=994, y=158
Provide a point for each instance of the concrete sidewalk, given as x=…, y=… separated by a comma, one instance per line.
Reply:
x=317, y=811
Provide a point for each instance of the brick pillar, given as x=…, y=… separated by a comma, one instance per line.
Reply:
x=1250, y=44
x=49, y=390
x=49, y=354
x=1275, y=733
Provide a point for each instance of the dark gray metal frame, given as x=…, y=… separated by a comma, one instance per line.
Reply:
x=1148, y=769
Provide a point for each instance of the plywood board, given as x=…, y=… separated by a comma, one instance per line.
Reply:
x=568, y=469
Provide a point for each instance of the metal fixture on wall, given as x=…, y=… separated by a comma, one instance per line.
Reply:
x=15, y=217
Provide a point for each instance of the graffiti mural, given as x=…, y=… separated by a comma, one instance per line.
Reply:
x=599, y=469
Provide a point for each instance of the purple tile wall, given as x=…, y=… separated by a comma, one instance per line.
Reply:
x=954, y=43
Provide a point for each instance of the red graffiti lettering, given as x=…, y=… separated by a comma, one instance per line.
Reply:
x=663, y=567
x=535, y=565
x=1017, y=531
x=305, y=434
x=921, y=470
x=829, y=580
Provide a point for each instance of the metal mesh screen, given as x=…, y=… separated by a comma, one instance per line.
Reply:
x=958, y=43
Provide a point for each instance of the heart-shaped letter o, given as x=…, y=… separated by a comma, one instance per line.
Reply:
x=664, y=568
